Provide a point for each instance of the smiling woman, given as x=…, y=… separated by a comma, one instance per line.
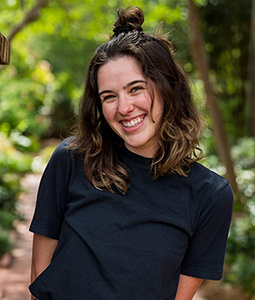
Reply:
x=127, y=105
x=124, y=209
x=180, y=127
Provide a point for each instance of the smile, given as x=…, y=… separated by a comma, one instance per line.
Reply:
x=133, y=123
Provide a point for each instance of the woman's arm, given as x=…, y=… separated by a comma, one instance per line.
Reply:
x=43, y=249
x=187, y=287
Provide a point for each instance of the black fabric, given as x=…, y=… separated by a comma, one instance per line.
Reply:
x=133, y=246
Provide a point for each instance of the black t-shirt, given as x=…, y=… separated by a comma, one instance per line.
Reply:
x=132, y=246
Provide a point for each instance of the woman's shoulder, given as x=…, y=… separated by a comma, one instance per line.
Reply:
x=199, y=171
x=63, y=148
x=63, y=153
x=208, y=188
x=207, y=180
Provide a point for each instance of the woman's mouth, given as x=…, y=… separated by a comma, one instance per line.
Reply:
x=133, y=123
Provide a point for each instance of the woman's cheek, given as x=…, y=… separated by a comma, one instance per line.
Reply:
x=109, y=113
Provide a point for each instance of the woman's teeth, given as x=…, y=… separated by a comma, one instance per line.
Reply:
x=133, y=122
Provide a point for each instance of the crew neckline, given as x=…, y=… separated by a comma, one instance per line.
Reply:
x=135, y=159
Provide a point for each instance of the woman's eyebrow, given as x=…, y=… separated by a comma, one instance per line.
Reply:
x=106, y=91
x=124, y=87
x=135, y=82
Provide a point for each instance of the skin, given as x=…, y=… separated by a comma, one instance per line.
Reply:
x=126, y=102
x=187, y=287
x=43, y=249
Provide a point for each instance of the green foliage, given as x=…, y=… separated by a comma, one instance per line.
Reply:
x=6, y=244
x=240, y=255
x=7, y=219
x=41, y=87
x=13, y=165
x=226, y=29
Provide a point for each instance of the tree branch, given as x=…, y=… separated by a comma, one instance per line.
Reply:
x=30, y=17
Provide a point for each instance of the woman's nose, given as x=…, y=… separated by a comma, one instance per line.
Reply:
x=125, y=105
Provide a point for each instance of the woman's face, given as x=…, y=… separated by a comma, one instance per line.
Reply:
x=126, y=103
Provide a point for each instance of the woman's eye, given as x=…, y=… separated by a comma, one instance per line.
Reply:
x=136, y=89
x=108, y=98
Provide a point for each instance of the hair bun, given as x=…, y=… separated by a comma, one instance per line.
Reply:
x=128, y=19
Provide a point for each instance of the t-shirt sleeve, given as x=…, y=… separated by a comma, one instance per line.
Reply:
x=52, y=194
x=204, y=257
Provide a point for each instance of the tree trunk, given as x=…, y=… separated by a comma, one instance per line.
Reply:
x=200, y=57
x=251, y=85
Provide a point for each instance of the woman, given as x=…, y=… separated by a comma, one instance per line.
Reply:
x=124, y=211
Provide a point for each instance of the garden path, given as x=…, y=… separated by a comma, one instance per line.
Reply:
x=15, y=278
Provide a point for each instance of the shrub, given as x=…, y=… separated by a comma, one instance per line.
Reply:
x=240, y=256
x=13, y=165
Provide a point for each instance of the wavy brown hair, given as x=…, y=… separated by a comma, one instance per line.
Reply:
x=180, y=127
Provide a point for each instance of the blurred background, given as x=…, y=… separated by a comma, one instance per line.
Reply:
x=51, y=44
